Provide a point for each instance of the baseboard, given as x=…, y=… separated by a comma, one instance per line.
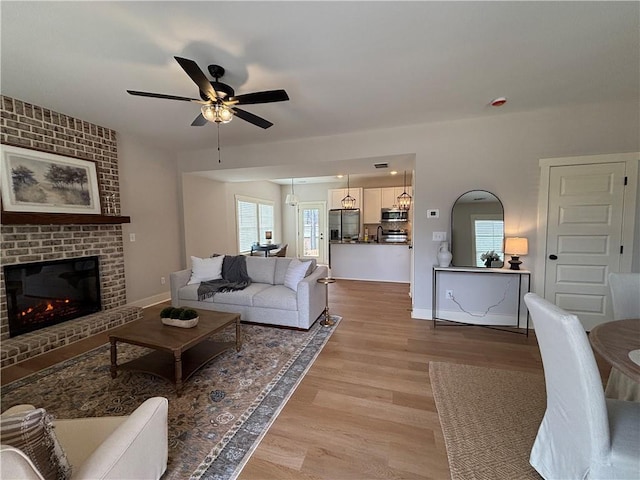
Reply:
x=153, y=300
x=421, y=314
x=372, y=280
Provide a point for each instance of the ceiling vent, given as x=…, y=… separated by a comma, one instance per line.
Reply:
x=381, y=165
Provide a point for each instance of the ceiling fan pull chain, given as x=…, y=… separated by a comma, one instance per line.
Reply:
x=218, y=124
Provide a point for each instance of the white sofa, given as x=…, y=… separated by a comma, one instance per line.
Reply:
x=266, y=300
x=117, y=448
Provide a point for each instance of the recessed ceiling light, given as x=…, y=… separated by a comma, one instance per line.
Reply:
x=340, y=176
x=498, y=102
x=393, y=172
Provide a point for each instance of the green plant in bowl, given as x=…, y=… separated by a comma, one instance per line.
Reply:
x=166, y=312
x=188, y=314
x=175, y=314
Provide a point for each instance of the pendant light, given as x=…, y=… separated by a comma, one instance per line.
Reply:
x=292, y=198
x=348, y=201
x=404, y=199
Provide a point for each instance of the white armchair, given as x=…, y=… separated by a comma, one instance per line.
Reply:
x=625, y=298
x=118, y=448
x=582, y=434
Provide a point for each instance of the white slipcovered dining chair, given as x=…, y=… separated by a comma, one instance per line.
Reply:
x=625, y=299
x=582, y=434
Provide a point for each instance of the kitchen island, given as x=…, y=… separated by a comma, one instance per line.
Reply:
x=380, y=262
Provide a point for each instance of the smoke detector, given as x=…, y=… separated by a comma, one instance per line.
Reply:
x=498, y=102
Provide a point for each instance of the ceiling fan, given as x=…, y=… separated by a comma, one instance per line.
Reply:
x=219, y=101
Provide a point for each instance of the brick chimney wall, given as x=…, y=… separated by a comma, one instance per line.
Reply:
x=29, y=126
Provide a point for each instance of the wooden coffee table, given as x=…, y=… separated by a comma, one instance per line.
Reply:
x=178, y=352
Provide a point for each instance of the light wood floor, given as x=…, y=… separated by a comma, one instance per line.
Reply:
x=365, y=409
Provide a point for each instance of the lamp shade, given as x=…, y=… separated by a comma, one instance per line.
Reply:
x=516, y=246
x=267, y=235
x=292, y=198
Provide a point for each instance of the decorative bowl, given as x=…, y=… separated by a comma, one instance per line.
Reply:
x=175, y=322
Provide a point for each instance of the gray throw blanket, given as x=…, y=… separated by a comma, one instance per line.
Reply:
x=234, y=277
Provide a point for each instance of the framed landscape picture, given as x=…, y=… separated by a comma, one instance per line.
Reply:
x=34, y=181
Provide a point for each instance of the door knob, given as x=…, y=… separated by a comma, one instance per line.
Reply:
x=553, y=257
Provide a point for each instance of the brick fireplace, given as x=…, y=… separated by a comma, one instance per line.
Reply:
x=30, y=126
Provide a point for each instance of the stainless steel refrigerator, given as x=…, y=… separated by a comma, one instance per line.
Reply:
x=344, y=224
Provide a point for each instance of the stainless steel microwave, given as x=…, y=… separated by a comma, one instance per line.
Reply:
x=394, y=215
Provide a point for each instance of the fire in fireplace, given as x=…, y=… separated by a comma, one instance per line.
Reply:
x=47, y=293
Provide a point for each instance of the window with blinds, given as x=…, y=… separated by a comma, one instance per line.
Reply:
x=488, y=235
x=254, y=218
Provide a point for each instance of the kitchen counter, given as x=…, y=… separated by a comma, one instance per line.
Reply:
x=381, y=262
x=362, y=242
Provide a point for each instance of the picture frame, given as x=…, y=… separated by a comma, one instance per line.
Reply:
x=34, y=181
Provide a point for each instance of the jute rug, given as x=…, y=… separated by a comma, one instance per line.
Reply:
x=489, y=418
x=225, y=408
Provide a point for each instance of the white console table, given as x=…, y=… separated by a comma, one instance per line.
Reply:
x=523, y=276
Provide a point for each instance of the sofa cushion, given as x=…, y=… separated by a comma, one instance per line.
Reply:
x=203, y=269
x=281, y=269
x=278, y=297
x=261, y=269
x=283, y=264
x=296, y=271
x=32, y=432
x=190, y=292
x=241, y=297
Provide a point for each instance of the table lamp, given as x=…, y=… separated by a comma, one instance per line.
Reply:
x=267, y=235
x=516, y=246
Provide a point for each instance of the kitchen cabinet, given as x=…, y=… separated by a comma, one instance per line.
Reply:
x=390, y=196
x=337, y=194
x=372, y=204
x=375, y=199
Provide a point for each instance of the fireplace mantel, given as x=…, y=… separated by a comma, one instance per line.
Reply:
x=31, y=218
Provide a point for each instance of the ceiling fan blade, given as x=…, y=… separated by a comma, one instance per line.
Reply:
x=251, y=118
x=199, y=121
x=193, y=70
x=161, y=95
x=268, y=96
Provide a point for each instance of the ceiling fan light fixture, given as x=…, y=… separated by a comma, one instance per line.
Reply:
x=217, y=113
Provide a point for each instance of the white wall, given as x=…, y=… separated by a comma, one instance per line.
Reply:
x=207, y=225
x=498, y=153
x=149, y=195
x=210, y=216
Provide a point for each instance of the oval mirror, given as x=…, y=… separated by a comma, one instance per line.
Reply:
x=477, y=228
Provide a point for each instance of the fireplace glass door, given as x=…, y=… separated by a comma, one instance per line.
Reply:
x=47, y=293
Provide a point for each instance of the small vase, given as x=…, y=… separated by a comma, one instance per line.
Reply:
x=444, y=255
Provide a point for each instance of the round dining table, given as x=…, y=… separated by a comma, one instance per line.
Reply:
x=618, y=342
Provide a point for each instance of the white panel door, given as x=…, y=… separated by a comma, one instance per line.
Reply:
x=584, y=235
x=311, y=233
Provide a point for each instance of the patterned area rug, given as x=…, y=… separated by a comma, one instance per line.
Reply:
x=224, y=410
x=489, y=419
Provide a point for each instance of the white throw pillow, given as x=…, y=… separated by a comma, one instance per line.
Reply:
x=296, y=271
x=203, y=269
